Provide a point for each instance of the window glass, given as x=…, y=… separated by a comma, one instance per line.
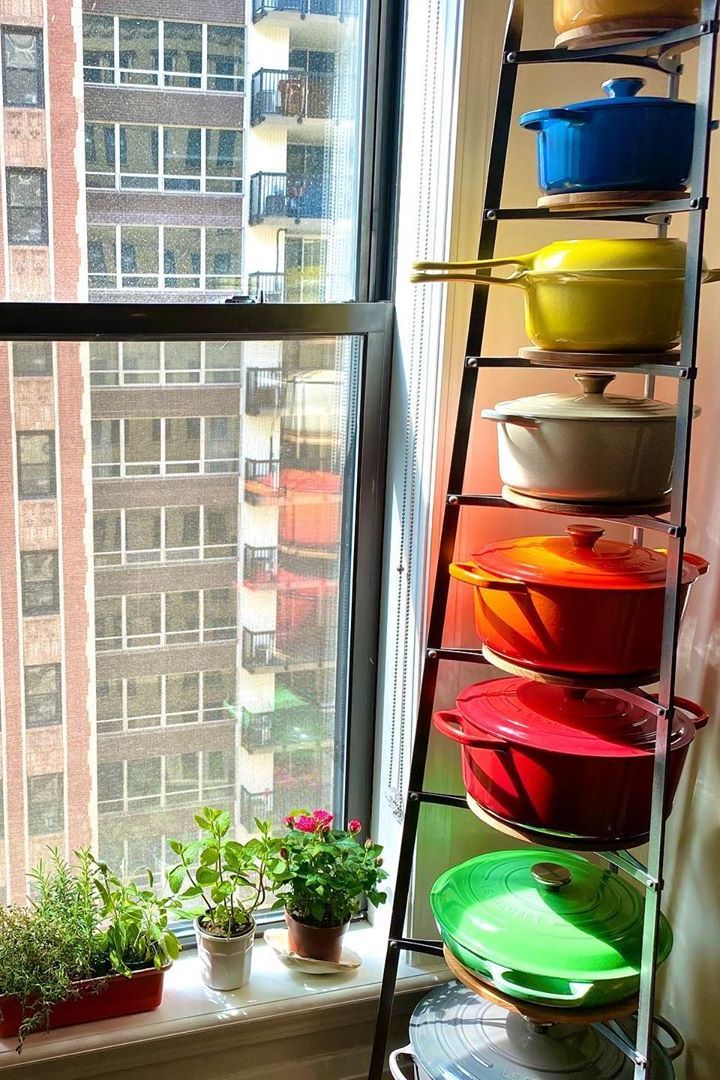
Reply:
x=107, y=541
x=139, y=259
x=222, y=443
x=141, y=362
x=182, y=444
x=40, y=585
x=46, y=811
x=142, y=446
x=100, y=155
x=182, y=696
x=111, y=786
x=108, y=622
x=144, y=781
x=102, y=257
x=43, y=696
x=182, y=617
x=182, y=361
x=142, y=535
x=32, y=358
x=183, y=54
x=182, y=779
x=27, y=206
x=220, y=532
x=138, y=156
x=223, y=361
x=182, y=532
x=144, y=702
x=104, y=363
x=143, y=620
x=110, y=709
x=23, y=80
x=226, y=58
x=182, y=158
x=220, y=614
x=223, y=259
x=138, y=55
x=36, y=464
x=106, y=448
x=224, y=159
x=98, y=48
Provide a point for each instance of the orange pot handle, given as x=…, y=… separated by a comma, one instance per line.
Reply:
x=701, y=565
x=471, y=574
x=449, y=723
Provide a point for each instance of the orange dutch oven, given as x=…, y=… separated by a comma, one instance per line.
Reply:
x=576, y=604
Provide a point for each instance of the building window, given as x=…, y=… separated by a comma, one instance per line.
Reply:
x=151, y=53
x=23, y=77
x=46, y=810
x=40, y=582
x=168, y=363
x=32, y=358
x=165, y=257
x=43, y=696
x=27, y=206
x=36, y=464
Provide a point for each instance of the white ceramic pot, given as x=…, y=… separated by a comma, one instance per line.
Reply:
x=591, y=447
x=225, y=963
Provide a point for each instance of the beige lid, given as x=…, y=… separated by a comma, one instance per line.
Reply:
x=592, y=404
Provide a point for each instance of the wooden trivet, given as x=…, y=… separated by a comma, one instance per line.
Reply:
x=584, y=509
x=596, y=360
x=580, y=682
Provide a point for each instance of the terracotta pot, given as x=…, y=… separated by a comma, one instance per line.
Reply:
x=99, y=999
x=315, y=942
x=575, y=604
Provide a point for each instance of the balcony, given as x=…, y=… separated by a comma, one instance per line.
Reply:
x=276, y=198
x=262, y=479
x=254, y=804
x=307, y=286
x=281, y=729
x=289, y=94
x=260, y=566
x=281, y=9
x=262, y=651
x=263, y=390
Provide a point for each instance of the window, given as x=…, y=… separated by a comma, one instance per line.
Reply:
x=224, y=160
x=139, y=51
x=169, y=257
x=32, y=358
x=46, y=809
x=99, y=48
x=43, y=696
x=183, y=51
x=182, y=159
x=27, y=206
x=138, y=156
x=40, y=584
x=22, y=55
x=36, y=464
x=226, y=58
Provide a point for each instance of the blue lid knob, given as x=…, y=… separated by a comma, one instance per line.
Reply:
x=623, y=88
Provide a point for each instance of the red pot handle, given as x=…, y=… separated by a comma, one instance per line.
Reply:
x=701, y=565
x=471, y=574
x=449, y=722
x=698, y=714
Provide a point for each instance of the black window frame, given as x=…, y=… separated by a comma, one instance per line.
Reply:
x=11, y=171
x=37, y=33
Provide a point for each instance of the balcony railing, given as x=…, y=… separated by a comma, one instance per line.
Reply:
x=302, y=726
x=306, y=286
x=265, y=650
x=254, y=804
x=294, y=94
x=262, y=479
x=278, y=195
x=263, y=389
x=260, y=565
x=340, y=8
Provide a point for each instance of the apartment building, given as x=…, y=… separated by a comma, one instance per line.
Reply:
x=170, y=536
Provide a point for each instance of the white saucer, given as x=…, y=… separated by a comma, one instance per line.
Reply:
x=278, y=942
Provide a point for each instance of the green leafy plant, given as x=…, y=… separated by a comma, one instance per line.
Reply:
x=82, y=922
x=323, y=873
x=227, y=877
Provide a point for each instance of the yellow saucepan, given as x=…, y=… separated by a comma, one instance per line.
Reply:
x=591, y=295
x=573, y=14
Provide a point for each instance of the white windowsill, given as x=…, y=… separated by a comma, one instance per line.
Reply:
x=190, y=1008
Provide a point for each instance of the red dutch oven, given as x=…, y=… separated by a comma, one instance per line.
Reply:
x=574, y=605
x=574, y=764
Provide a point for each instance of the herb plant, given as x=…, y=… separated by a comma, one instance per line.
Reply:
x=323, y=873
x=227, y=877
x=82, y=922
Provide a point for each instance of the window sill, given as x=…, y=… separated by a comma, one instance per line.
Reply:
x=192, y=1016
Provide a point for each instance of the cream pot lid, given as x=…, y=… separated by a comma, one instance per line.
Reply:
x=591, y=403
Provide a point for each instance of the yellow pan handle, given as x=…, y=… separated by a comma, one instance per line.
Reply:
x=524, y=261
x=471, y=574
x=710, y=276
x=424, y=278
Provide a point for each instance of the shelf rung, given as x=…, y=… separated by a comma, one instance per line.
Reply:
x=639, y=521
x=670, y=371
x=620, y=1039
x=615, y=54
x=615, y=213
x=438, y=798
x=422, y=945
x=623, y=860
x=461, y=656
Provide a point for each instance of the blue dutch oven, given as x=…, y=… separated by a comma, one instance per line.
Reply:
x=619, y=143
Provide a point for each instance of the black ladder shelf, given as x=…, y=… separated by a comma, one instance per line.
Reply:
x=664, y=48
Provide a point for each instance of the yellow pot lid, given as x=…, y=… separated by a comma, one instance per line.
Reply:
x=592, y=404
x=649, y=253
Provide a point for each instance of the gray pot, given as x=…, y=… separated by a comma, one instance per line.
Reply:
x=456, y=1035
x=225, y=962
x=586, y=448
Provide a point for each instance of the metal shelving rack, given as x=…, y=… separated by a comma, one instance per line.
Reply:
x=665, y=48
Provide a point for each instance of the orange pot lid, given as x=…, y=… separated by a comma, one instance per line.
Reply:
x=579, y=559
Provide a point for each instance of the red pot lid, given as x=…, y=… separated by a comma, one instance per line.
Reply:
x=580, y=559
x=594, y=723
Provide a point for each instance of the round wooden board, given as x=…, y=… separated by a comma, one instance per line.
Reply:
x=581, y=682
x=606, y=200
x=593, y=360
x=579, y=509
x=622, y=32
x=538, y=1014
x=551, y=840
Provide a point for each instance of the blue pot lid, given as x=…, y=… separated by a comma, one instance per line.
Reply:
x=456, y=1035
x=620, y=92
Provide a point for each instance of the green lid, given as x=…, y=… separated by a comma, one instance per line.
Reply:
x=545, y=911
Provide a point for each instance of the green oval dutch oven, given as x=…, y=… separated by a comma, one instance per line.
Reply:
x=545, y=926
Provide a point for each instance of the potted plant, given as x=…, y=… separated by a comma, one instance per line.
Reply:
x=230, y=880
x=320, y=879
x=88, y=946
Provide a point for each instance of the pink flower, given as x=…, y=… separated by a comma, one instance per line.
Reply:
x=354, y=826
x=305, y=823
x=323, y=818
x=289, y=822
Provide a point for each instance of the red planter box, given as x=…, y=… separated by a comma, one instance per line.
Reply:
x=100, y=999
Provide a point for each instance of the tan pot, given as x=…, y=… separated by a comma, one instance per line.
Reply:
x=315, y=942
x=654, y=14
